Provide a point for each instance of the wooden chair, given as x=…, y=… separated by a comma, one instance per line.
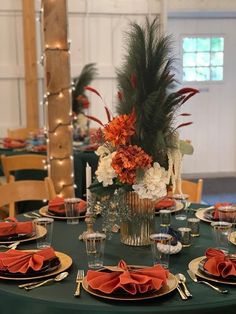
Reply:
x=193, y=189
x=21, y=133
x=22, y=162
x=25, y=190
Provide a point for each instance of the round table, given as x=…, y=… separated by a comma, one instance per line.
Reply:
x=58, y=298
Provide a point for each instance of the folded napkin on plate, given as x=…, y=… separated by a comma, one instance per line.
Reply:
x=132, y=281
x=14, y=227
x=16, y=261
x=13, y=143
x=57, y=206
x=219, y=264
x=40, y=148
x=216, y=206
x=165, y=203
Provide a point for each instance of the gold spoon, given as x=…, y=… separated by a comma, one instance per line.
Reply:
x=58, y=278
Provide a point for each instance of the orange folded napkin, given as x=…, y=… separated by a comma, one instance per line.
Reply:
x=40, y=148
x=16, y=261
x=14, y=228
x=165, y=203
x=13, y=143
x=219, y=264
x=57, y=206
x=216, y=206
x=132, y=281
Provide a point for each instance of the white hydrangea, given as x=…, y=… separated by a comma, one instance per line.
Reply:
x=103, y=151
x=153, y=184
x=105, y=173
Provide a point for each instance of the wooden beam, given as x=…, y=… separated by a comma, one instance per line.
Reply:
x=30, y=57
x=58, y=95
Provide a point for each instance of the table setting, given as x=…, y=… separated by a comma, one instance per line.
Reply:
x=212, y=213
x=57, y=207
x=72, y=250
x=13, y=231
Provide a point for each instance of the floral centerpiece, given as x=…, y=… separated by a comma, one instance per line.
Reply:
x=139, y=152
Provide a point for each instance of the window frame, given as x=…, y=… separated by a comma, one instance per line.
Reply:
x=200, y=35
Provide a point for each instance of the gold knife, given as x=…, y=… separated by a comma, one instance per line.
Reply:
x=181, y=293
x=195, y=279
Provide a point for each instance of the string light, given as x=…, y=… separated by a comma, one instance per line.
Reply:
x=56, y=48
x=59, y=125
x=63, y=186
x=59, y=158
x=59, y=93
x=64, y=92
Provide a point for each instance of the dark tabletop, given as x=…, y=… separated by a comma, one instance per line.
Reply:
x=58, y=298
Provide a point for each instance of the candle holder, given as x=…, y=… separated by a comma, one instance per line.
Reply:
x=89, y=220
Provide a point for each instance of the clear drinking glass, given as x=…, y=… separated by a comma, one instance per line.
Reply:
x=182, y=214
x=160, y=246
x=185, y=236
x=221, y=233
x=95, y=244
x=72, y=212
x=227, y=213
x=43, y=229
x=194, y=225
x=165, y=217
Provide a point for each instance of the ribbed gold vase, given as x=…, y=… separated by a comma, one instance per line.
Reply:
x=137, y=229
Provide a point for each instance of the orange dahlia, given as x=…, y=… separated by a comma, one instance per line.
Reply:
x=120, y=129
x=127, y=160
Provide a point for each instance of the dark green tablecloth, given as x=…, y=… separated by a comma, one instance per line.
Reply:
x=58, y=298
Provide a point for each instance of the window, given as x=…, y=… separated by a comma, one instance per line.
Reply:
x=203, y=58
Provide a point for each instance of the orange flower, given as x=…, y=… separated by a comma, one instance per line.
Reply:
x=127, y=160
x=120, y=129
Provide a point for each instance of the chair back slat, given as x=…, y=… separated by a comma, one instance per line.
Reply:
x=193, y=189
x=25, y=190
x=21, y=133
x=22, y=162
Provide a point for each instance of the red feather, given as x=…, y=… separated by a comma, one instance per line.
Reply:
x=185, y=114
x=183, y=124
x=187, y=90
x=91, y=89
x=133, y=80
x=95, y=119
x=120, y=95
x=108, y=114
x=187, y=97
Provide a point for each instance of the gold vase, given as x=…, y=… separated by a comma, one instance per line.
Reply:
x=136, y=230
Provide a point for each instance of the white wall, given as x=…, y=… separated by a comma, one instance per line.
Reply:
x=214, y=109
x=96, y=29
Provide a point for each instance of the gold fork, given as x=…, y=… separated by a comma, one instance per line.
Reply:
x=79, y=279
x=12, y=246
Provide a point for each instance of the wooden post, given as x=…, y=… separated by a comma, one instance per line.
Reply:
x=58, y=95
x=31, y=77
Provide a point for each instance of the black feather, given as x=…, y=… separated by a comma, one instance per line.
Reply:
x=155, y=98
